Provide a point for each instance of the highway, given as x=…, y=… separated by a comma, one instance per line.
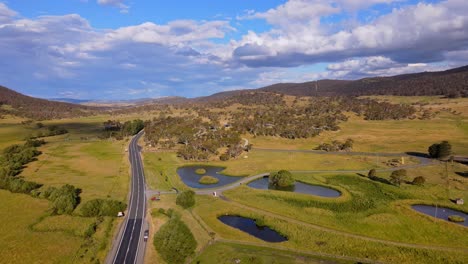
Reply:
x=131, y=240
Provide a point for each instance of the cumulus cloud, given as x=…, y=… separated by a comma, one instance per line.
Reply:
x=6, y=14
x=409, y=34
x=116, y=3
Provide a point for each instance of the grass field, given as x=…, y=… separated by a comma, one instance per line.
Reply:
x=373, y=209
x=98, y=167
x=303, y=238
x=227, y=253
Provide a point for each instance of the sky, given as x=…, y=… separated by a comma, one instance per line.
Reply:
x=128, y=49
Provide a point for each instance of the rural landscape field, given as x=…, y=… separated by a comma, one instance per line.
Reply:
x=289, y=131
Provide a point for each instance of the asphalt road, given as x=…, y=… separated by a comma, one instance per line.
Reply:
x=131, y=240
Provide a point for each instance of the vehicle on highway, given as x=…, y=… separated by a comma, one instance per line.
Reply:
x=146, y=235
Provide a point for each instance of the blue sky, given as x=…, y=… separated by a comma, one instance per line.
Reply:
x=125, y=49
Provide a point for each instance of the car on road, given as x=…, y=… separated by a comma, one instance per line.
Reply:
x=146, y=235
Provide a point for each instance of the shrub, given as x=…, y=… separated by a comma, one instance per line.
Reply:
x=186, y=199
x=420, y=180
x=224, y=157
x=174, y=241
x=208, y=180
x=440, y=150
x=372, y=173
x=282, y=178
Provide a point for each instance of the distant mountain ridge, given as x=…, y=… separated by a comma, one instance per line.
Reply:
x=449, y=83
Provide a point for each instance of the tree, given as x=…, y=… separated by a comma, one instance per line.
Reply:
x=282, y=178
x=186, y=199
x=440, y=150
x=372, y=173
x=445, y=150
x=174, y=241
x=420, y=180
x=398, y=176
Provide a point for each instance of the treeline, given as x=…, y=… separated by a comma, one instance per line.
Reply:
x=114, y=128
x=16, y=156
x=101, y=207
x=49, y=132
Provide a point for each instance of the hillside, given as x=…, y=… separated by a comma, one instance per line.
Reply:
x=15, y=103
x=450, y=83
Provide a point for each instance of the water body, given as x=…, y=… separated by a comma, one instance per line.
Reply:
x=299, y=187
x=190, y=178
x=248, y=225
x=440, y=212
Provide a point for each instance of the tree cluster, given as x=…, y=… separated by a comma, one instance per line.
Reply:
x=282, y=178
x=102, y=207
x=336, y=145
x=174, y=241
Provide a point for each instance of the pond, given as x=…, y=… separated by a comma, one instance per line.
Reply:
x=190, y=177
x=440, y=212
x=299, y=187
x=249, y=226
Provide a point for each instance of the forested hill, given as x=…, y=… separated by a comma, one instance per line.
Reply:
x=14, y=103
x=450, y=83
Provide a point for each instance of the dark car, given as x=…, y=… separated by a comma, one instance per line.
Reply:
x=146, y=235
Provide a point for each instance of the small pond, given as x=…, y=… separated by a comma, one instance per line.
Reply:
x=440, y=212
x=248, y=225
x=299, y=187
x=190, y=178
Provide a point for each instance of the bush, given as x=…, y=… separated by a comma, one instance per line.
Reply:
x=282, y=178
x=186, y=199
x=420, y=180
x=372, y=173
x=101, y=207
x=224, y=157
x=174, y=241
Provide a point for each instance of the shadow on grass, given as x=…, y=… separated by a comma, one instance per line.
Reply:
x=463, y=174
x=418, y=154
x=375, y=178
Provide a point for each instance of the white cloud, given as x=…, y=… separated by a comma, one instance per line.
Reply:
x=409, y=34
x=116, y=3
x=6, y=14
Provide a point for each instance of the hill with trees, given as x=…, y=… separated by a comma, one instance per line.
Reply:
x=17, y=104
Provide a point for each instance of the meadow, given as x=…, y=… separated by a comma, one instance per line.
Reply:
x=97, y=166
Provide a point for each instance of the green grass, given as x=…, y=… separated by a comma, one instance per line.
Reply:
x=98, y=167
x=20, y=244
x=306, y=239
x=371, y=209
x=227, y=253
